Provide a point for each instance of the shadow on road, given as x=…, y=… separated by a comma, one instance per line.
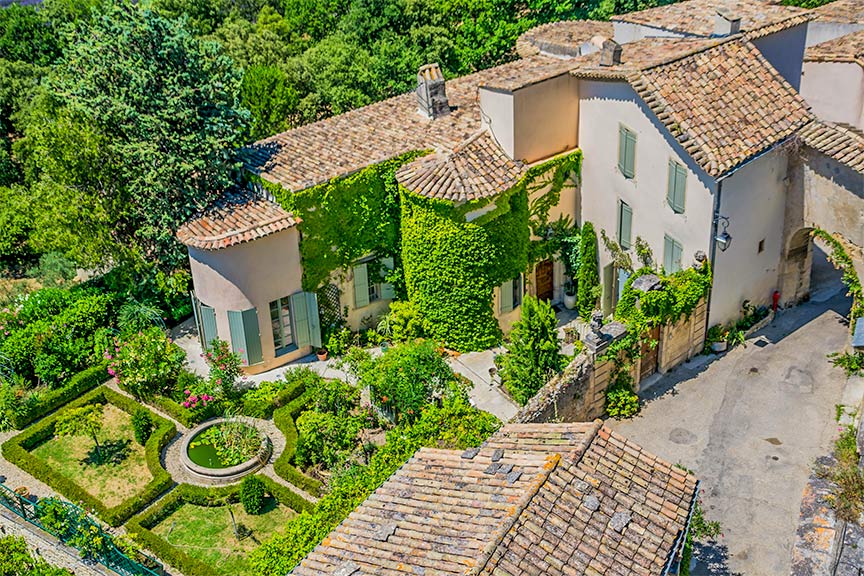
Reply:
x=712, y=559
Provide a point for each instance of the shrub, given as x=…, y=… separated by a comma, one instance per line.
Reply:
x=147, y=363
x=405, y=378
x=283, y=418
x=324, y=438
x=852, y=363
x=588, y=289
x=621, y=401
x=16, y=560
x=334, y=396
x=403, y=323
x=252, y=492
x=340, y=341
x=533, y=351
x=225, y=370
x=142, y=425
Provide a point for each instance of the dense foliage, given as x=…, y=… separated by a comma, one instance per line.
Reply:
x=142, y=425
x=252, y=494
x=16, y=560
x=147, y=363
x=533, y=355
x=588, y=283
x=453, y=424
x=841, y=260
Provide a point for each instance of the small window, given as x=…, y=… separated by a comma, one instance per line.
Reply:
x=677, y=186
x=761, y=246
x=280, y=322
x=510, y=296
x=368, y=287
x=625, y=224
x=626, y=151
x=672, y=253
x=374, y=292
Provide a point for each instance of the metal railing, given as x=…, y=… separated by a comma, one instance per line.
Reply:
x=75, y=527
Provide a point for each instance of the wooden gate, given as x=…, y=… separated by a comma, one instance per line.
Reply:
x=543, y=278
x=650, y=353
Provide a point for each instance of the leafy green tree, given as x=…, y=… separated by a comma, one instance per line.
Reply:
x=270, y=99
x=268, y=41
x=16, y=222
x=589, y=277
x=204, y=16
x=147, y=363
x=25, y=36
x=533, y=352
x=140, y=130
x=83, y=421
x=16, y=560
x=252, y=494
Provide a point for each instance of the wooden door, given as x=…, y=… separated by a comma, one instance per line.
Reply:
x=543, y=278
x=650, y=353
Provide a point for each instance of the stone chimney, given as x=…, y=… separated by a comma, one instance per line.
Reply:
x=726, y=23
x=431, y=92
x=610, y=53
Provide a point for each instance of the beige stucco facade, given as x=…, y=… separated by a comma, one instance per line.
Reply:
x=250, y=275
x=835, y=90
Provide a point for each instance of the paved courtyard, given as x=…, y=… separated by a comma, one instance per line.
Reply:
x=750, y=424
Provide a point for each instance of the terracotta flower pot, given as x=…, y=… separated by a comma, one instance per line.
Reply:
x=322, y=355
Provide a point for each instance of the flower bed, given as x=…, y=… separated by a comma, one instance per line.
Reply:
x=18, y=451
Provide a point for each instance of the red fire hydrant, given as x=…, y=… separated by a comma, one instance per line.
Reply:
x=775, y=298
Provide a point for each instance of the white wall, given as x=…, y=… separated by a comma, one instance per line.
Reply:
x=785, y=51
x=496, y=114
x=819, y=31
x=835, y=90
x=627, y=32
x=754, y=199
x=603, y=106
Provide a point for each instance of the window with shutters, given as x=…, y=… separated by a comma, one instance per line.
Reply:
x=625, y=224
x=677, y=186
x=672, y=254
x=369, y=284
x=626, y=151
x=280, y=321
x=510, y=296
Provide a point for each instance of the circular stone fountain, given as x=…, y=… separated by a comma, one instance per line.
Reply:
x=203, y=462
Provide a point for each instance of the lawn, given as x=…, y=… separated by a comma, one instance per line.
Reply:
x=124, y=472
x=206, y=533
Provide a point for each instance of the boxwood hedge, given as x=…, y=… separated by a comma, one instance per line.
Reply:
x=283, y=418
x=17, y=451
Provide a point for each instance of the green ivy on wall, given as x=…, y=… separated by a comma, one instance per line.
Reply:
x=452, y=266
x=841, y=260
x=345, y=219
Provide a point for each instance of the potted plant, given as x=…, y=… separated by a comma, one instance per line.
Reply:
x=570, y=295
x=716, y=338
x=321, y=354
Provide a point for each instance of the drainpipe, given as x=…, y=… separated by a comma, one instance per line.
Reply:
x=678, y=546
x=712, y=250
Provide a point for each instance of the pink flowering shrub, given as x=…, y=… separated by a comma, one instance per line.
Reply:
x=225, y=370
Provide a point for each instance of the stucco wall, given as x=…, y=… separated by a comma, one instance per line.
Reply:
x=496, y=108
x=753, y=198
x=249, y=275
x=546, y=117
x=833, y=198
x=605, y=105
x=356, y=316
x=626, y=32
x=819, y=31
x=835, y=90
x=785, y=51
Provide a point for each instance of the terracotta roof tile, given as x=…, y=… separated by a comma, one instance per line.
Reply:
x=696, y=17
x=560, y=502
x=844, y=144
x=477, y=168
x=561, y=38
x=842, y=11
x=236, y=218
x=724, y=104
x=848, y=48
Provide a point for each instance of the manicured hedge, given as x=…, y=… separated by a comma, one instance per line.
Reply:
x=50, y=401
x=17, y=451
x=140, y=526
x=283, y=418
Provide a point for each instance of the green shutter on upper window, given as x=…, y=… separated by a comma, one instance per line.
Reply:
x=506, y=297
x=361, y=286
x=626, y=152
x=387, y=292
x=677, y=186
x=625, y=224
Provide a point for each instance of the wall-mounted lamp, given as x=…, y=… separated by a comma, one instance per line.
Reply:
x=723, y=238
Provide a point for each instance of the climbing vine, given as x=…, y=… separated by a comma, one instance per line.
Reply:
x=452, y=265
x=841, y=260
x=345, y=219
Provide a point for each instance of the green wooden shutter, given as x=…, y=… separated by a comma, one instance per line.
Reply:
x=208, y=325
x=238, y=334
x=313, y=321
x=677, y=255
x=300, y=315
x=387, y=292
x=361, y=286
x=254, y=354
x=677, y=186
x=625, y=224
x=626, y=152
x=672, y=253
x=631, y=154
x=506, y=298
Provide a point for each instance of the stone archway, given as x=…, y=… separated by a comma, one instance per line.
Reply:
x=797, y=261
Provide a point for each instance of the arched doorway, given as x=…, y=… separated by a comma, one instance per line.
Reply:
x=797, y=261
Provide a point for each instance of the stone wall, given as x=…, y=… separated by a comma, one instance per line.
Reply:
x=46, y=546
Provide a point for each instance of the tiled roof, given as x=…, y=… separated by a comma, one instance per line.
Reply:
x=477, y=168
x=724, y=104
x=535, y=499
x=844, y=144
x=316, y=153
x=697, y=16
x=842, y=11
x=561, y=38
x=236, y=218
x=848, y=48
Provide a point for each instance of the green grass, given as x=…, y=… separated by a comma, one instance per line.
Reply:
x=123, y=473
x=206, y=534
